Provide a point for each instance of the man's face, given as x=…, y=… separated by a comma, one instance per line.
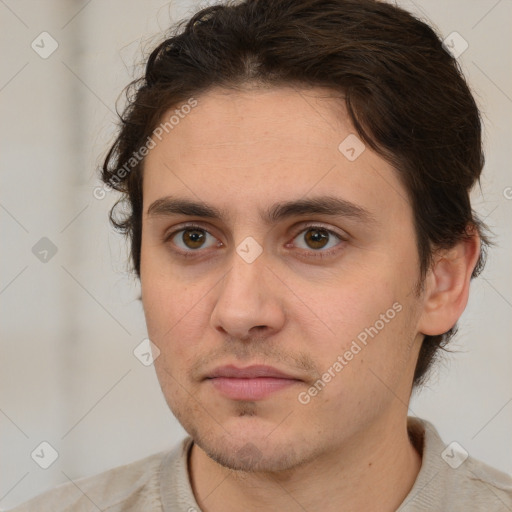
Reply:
x=329, y=302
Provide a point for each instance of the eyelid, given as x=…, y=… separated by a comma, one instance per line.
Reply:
x=180, y=227
x=312, y=254
x=169, y=235
x=312, y=224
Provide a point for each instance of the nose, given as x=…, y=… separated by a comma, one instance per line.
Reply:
x=249, y=301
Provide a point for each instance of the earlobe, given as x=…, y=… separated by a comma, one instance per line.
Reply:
x=447, y=286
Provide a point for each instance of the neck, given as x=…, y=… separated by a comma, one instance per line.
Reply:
x=373, y=470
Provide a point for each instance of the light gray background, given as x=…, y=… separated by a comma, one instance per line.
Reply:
x=68, y=375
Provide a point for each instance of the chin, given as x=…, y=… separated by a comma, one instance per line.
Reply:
x=249, y=444
x=244, y=437
x=250, y=456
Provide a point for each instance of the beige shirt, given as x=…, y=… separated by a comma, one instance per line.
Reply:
x=447, y=482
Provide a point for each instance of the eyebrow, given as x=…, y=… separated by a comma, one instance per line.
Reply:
x=325, y=205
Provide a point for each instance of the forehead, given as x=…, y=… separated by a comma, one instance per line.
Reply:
x=257, y=147
x=264, y=116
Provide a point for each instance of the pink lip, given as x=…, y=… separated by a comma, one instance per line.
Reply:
x=251, y=383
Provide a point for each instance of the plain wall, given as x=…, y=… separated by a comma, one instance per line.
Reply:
x=69, y=325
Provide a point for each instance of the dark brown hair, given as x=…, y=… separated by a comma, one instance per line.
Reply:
x=405, y=94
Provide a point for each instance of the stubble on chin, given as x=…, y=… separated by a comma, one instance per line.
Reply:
x=249, y=457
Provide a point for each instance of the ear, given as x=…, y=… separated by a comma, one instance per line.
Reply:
x=447, y=285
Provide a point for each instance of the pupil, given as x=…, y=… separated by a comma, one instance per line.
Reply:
x=193, y=238
x=318, y=239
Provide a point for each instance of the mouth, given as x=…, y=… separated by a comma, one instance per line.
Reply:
x=251, y=383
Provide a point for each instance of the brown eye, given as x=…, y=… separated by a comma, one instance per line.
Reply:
x=193, y=238
x=317, y=238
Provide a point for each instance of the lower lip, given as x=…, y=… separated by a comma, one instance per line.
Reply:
x=250, y=389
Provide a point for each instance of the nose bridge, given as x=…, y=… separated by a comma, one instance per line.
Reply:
x=247, y=266
x=244, y=280
x=245, y=299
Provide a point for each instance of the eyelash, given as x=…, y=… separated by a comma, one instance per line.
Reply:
x=308, y=253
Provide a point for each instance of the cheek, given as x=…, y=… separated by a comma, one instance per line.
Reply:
x=164, y=298
x=176, y=318
x=344, y=307
x=359, y=326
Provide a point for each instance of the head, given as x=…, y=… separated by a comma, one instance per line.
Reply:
x=268, y=116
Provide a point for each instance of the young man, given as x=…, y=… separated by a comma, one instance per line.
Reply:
x=298, y=176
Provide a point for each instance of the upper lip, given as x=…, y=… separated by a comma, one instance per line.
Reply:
x=249, y=372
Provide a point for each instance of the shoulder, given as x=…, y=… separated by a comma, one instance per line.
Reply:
x=451, y=479
x=488, y=485
x=133, y=486
x=475, y=486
